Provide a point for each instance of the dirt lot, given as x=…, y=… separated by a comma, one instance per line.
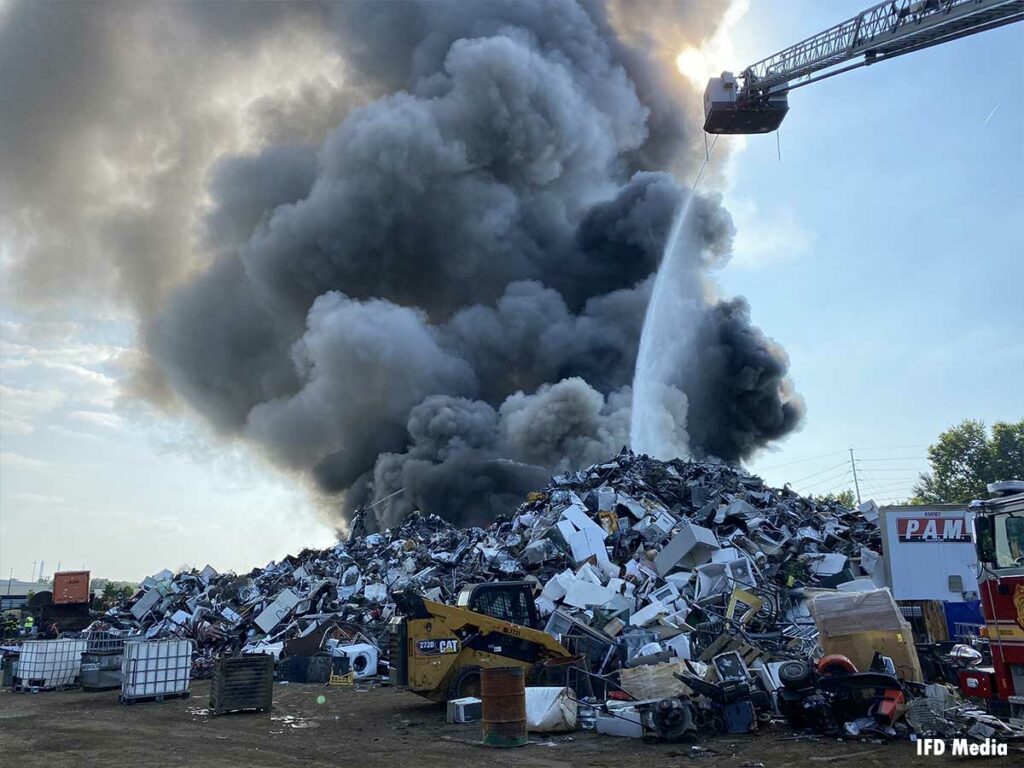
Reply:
x=379, y=727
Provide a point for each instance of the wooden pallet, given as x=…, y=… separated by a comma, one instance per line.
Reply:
x=346, y=679
x=158, y=697
x=20, y=687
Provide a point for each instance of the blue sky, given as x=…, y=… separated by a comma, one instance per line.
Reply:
x=883, y=252
x=901, y=307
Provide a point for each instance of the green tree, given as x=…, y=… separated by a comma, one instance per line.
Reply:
x=965, y=459
x=846, y=498
x=113, y=592
x=109, y=596
x=1008, y=451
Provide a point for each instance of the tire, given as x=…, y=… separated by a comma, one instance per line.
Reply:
x=465, y=683
x=796, y=675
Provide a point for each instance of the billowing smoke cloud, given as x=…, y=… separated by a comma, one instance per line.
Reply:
x=444, y=291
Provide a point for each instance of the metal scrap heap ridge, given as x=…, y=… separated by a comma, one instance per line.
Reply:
x=675, y=551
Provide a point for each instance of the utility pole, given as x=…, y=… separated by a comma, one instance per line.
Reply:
x=853, y=465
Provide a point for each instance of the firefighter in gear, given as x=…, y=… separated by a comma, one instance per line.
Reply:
x=29, y=627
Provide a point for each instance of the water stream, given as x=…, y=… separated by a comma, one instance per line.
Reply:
x=661, y=342
x=658, y=413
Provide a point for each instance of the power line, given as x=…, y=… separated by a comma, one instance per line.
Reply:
x=840, y=487
x=818, y=483
x=897, y=484
x=836, y=453
x=891, y=469
x=835, y=476
x=803, y=461
x=886, y=491
x=897, y=458
x=815, y=474
x=882, y=482
x=843, y=482
x=876, y=483
x=888, y=488
x=893, y=447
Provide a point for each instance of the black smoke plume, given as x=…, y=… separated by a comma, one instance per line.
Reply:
x=444, y=292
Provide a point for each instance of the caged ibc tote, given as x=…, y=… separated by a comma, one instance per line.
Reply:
x=48, y=665
x=154, y=670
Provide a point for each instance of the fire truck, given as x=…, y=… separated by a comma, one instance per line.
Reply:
x=999, y=540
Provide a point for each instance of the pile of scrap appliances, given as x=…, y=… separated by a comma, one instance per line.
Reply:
x=639, y=598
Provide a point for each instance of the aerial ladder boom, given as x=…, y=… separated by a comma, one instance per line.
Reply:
x=755, y=101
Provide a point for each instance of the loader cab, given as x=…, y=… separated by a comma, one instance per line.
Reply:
x=510, y=601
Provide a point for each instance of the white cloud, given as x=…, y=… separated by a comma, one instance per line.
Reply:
x=99, y=418
x=74, y=434
x=767, y=238
x=39, y=331
x=9, y=461
x=11, y=425
x=39, y=500
x=20, y=408
x=50, y=370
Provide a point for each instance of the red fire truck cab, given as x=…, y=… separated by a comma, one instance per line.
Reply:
x=999, y=538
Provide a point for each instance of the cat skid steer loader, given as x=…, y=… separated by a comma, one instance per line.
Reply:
x=438, y=650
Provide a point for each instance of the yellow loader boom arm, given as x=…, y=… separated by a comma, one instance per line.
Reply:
x=462, y=621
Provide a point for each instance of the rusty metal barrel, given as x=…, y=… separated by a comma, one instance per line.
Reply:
x=503, y=695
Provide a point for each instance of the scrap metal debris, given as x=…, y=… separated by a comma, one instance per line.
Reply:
x=687, y=585
x=674, y=552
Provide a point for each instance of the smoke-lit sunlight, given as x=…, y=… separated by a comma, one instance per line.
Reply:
x=717, y=53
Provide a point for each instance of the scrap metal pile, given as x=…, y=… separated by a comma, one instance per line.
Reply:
x=714, y=602
x=673, y=553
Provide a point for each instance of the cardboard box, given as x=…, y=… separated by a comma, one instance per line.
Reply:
x=847, y=613
x=860, y=647
x=654, y=681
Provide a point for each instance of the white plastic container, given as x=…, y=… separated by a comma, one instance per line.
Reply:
x=155, y=668
x=49, y=664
